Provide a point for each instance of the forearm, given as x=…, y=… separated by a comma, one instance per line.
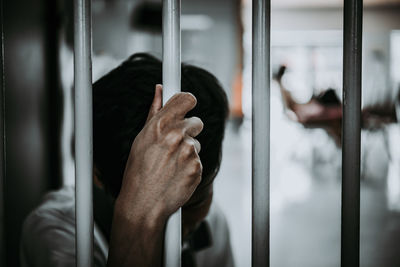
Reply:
x=136, y=239
x=162, y=172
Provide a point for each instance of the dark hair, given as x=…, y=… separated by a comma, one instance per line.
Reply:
x=121, y=101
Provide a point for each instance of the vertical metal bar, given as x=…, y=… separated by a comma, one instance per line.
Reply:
x=172, y=85
x=261, y=132
x=2, y=145
x=83, y=133
x=351, y=135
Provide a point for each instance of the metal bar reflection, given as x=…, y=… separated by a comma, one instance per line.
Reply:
x=261, y=132
x=83, y=133
x=351, y=134
x=171, y=85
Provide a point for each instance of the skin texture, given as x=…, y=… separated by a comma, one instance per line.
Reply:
x=159, y=179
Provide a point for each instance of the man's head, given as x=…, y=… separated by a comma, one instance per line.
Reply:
x=121, y=101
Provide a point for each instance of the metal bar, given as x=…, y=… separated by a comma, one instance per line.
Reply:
x=2, y=146
x=351, y=133
x=172, y=85
x=261, y=133
x=83, y=133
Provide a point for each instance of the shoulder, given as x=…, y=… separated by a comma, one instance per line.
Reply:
x=55, y=212
x=48, y=233
x=220, y=253
x=55, y=205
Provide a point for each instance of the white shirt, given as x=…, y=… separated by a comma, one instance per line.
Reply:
x=48, y=236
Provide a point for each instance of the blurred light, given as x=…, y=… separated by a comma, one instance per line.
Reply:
x=196, y=22
x=327, y=3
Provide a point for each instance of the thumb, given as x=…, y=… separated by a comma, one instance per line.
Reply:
x=157, y=103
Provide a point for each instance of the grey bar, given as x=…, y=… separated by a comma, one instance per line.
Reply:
x=83, y=133
x=351, y=133
x=171, y=48
x=171, y=86
x=261, y=133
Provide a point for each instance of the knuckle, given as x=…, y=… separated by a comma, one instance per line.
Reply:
x=174, y=138
x=188, y=149
x=196, y=168
x=199, y=167
x=185, y=152
x=197, y=145
x=161, y=123
x=198, y=122
x=193, y=177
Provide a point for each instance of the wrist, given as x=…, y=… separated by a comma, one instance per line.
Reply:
x=150, y=219
x=136, y=237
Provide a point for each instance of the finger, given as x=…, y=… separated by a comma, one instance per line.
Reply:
x=180, y=104
x=194, y=142
x=197, y=145
x=192, y=126
x=157, y=102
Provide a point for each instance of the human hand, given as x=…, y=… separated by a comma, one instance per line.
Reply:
x=163, y=168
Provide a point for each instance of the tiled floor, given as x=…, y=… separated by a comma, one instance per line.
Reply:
x=306, y=198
